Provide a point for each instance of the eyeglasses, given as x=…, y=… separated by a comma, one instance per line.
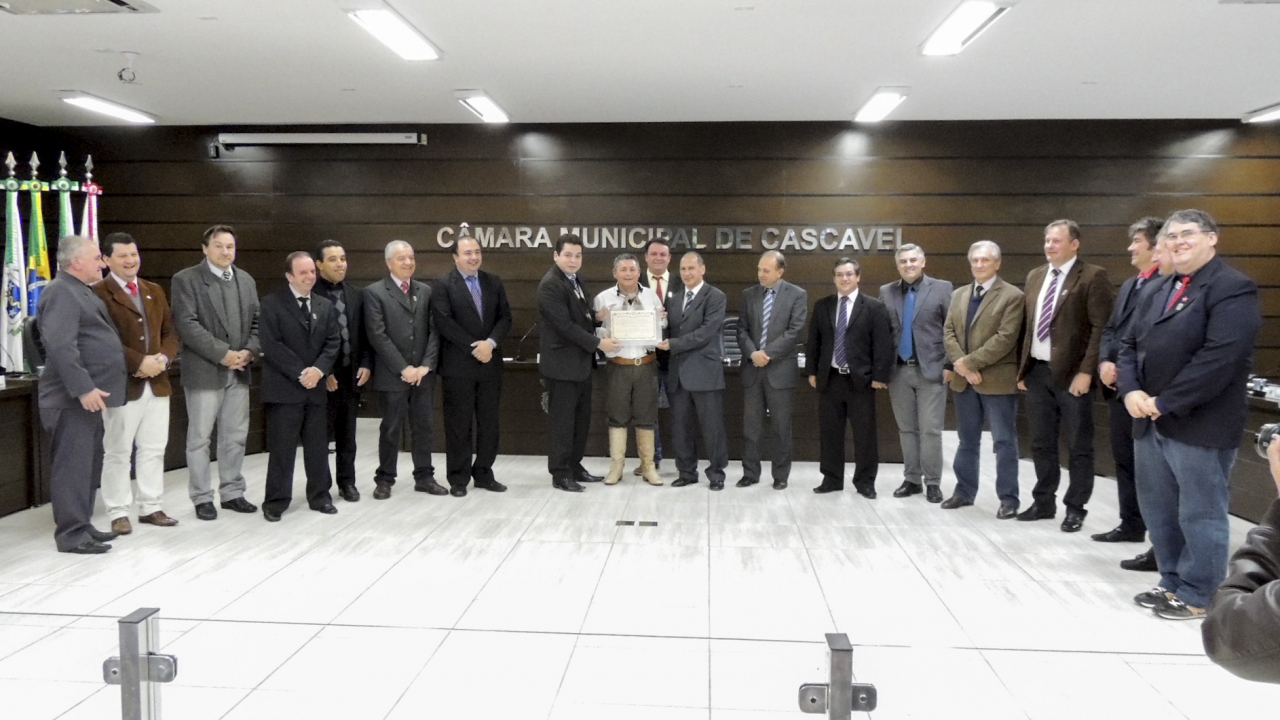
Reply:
x=846, y=275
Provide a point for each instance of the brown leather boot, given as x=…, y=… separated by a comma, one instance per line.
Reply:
x=644, y=443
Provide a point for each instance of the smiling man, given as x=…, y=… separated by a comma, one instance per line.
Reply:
x=1183, y=367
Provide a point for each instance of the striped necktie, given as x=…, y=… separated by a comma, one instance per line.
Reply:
x=764, y=317
x=1046, y=308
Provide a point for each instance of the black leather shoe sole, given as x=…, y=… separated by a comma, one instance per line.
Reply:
x=101, y=536
x=240, y=505
x=206, y=511
x=88, y=547
x=907, y=489
x=955, y=501
x=326, y=510
x=1146, y=562
x=491, y=486
x=1035, y=513
x=1072, y=522
x=381, y=491
x=271, y=516
x=1117, y=535
x=589, y=478
x=868, y=493
x=458, y=490
x=566, y=485
x=933, y=494
x=430, y=488
x=681, y=482
x=717, y=485
x=746, y=482
x=350, y=494
x=779, y=484
x=1006, y=512
x=824, y=488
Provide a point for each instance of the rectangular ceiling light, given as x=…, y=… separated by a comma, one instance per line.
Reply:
x=1266, y=114
x=881, y=104
x=962, y=26
x=105, y=107
x=482, y=105
x=396, y=33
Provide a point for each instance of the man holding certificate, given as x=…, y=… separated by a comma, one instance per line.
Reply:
x=633, y=316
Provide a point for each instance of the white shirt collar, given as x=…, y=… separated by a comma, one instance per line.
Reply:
x=986, y=286
x=1066, y=266
x=853, y=297
x=125, y=284
x=296, y=295
x=218, y=271
x=696, y=289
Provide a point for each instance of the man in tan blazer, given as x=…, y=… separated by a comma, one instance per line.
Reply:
x=981, y=339
x=1067, y=305
x=140, y=312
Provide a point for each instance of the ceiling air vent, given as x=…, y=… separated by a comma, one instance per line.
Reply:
x=76, y=7
x=1249, y=2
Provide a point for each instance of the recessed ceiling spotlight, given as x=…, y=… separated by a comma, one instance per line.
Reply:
x=881, y=104
x=396, y=33
x=106, y=107
x=963, y=26
x=1266, y=114
x=478, y=102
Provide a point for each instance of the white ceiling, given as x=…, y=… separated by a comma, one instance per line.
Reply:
x=305, y=61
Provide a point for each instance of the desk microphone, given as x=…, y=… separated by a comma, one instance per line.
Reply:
x=519, y=356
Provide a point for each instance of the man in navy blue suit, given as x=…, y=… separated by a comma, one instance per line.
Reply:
x=1183, y=367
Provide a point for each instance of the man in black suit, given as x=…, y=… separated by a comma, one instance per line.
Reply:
x=567, y=351
x=1184, y=364
x=695, y=319
x=472, y=315
x=84, y=374
x=397, y=317
x=851, y=346
x=1144, y=235
x=300, y=341
x=354, y=365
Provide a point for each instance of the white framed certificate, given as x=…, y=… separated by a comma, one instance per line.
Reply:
x=634, y=328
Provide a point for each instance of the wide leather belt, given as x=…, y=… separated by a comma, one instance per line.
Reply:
x=635, y=361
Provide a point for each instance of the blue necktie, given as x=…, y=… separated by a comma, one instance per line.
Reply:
x=473, y=284
x=974, y=301
x=764, y=320
x=905, y=343
x=842, y=327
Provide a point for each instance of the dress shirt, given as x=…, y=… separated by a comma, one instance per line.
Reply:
x=685, y=298
x=835, y=320
x=666, y=282
x=1040, y=349
x=614, y=299
x=218, y=271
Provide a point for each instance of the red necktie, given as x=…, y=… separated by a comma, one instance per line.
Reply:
x=657, y=285
x=133, y=289
x=404, y=287
x=1183, y=282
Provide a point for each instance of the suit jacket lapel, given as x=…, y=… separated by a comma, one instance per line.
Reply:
x=121, y=297
x=215, y=297
x=399, y=294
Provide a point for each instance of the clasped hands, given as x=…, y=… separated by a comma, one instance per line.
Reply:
x=237, y=359
x=414, y=374
x=151, y=366
x=1140, y=405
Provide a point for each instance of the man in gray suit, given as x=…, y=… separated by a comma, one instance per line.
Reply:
x=397, y=319
x=773, y=315
x=84, y=374
x=918, y=307
x=215, y=311
x=696, y=375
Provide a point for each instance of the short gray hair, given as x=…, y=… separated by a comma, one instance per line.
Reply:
x=985, y=245
x=69, y=247
x=909, y=247
x=393, y=246
x=625, y=257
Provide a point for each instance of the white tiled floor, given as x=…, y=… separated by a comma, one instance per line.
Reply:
x=537, y=604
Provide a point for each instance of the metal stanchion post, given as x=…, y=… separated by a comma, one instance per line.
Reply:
x=139, y=669
x=840, y=697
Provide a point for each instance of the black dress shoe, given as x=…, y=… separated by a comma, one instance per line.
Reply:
x=779, y=484
x=458, y=490
x=270, y=515
x=88, y=547
x=827, y=487
x=681, y=482
x=1036, y=512
x=717, y=484
x=1146, y=562
x=101, y=536
x=206, y=511
x=490, y=485
x=1006, y=511
x=381, y=490
x=1119, y=535
x=566, y=484
x=430, y=487
x=349, y=493
x=867, y=492
x=326, y=509
x=933, y=494
x=586, y=477
x=907, y=488
x=956, y=501
x=1073, y=521
x=747, y=482
x=240, y=505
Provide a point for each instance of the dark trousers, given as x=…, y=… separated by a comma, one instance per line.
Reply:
x=569, y=412
x=467, y=402
x=1048, y=411
x=418, y=403
x=755, y=400
x=344, y=407
x=285, y=424
x=75, y=470
x=1122, y=451
x=708, y=407
x=841, y=402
